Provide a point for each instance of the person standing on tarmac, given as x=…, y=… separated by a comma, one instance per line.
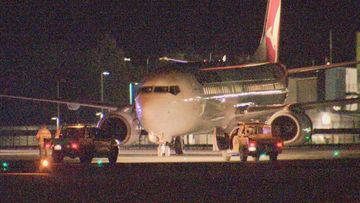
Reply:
x=43, y=133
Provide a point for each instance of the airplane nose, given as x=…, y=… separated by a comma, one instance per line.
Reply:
x=152, y=113
x=165, y=115
x=144, y=107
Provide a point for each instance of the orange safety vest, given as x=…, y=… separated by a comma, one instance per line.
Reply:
x=42, y=134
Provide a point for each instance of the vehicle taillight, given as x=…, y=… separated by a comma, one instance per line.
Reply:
x=74, y=146
x=279, y=144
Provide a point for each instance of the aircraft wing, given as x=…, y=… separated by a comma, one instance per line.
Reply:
x=320, y=67
x=234, y=66
x=71, y=104
x=328, y=103
x=290, y=71
x=257, y=111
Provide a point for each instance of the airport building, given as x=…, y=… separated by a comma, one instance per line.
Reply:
x=339, y=83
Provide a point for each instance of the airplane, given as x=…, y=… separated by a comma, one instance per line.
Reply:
x=195, y=98
x=190, y=99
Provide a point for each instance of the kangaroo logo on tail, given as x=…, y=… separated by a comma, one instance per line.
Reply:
x=269, y=44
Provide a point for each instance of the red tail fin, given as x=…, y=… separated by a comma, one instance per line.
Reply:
x=269, y=44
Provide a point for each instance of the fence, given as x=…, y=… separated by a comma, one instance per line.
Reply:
x=24, y=137
x=19, y=136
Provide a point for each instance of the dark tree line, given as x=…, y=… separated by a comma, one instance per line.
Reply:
x=77, y=66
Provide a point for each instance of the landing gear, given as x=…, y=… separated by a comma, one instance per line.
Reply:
x=222, y=139
x=225, y=156
x=179, y=145
x=163, y=150
x=113, y=155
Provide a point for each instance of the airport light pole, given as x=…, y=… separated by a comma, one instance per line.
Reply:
x=104, y=73
x=127, y=60
x=100, y=114
x=330, y=46
x=58, y=105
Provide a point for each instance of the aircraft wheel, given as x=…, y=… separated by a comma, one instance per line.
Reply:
x=179, y=145
x=113, y=155
x=163, y=150
x=167, y=150
x=222, y=139
x=159, y=151
x=225, y=155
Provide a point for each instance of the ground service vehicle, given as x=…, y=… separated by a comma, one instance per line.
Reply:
x=255, y=139
x=85, y=142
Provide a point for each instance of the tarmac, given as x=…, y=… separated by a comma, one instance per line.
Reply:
x=300, y=175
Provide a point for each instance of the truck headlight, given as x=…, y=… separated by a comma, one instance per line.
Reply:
x=57, y=147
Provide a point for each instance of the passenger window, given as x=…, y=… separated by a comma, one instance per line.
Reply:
x=161, y=89
x=174, y=90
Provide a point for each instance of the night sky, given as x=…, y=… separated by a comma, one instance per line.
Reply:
x=151, y=29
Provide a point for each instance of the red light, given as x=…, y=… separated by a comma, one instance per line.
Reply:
x=279, y=144
x=47, y=146
x=74, y=146
x=252, y=144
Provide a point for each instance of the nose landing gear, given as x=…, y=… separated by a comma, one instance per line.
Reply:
x=179, y=145
x=163, y=150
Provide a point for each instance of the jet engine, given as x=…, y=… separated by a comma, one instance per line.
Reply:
x=121, y=125
x=294, y=127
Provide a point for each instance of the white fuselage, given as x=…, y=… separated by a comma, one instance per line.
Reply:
x=174, y=103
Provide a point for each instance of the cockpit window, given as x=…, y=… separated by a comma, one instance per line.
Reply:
x=162, y=89
x=146, y=89
x=174, y=90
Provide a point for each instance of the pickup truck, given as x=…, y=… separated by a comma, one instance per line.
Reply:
x=85, y=142
x=255, y=139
